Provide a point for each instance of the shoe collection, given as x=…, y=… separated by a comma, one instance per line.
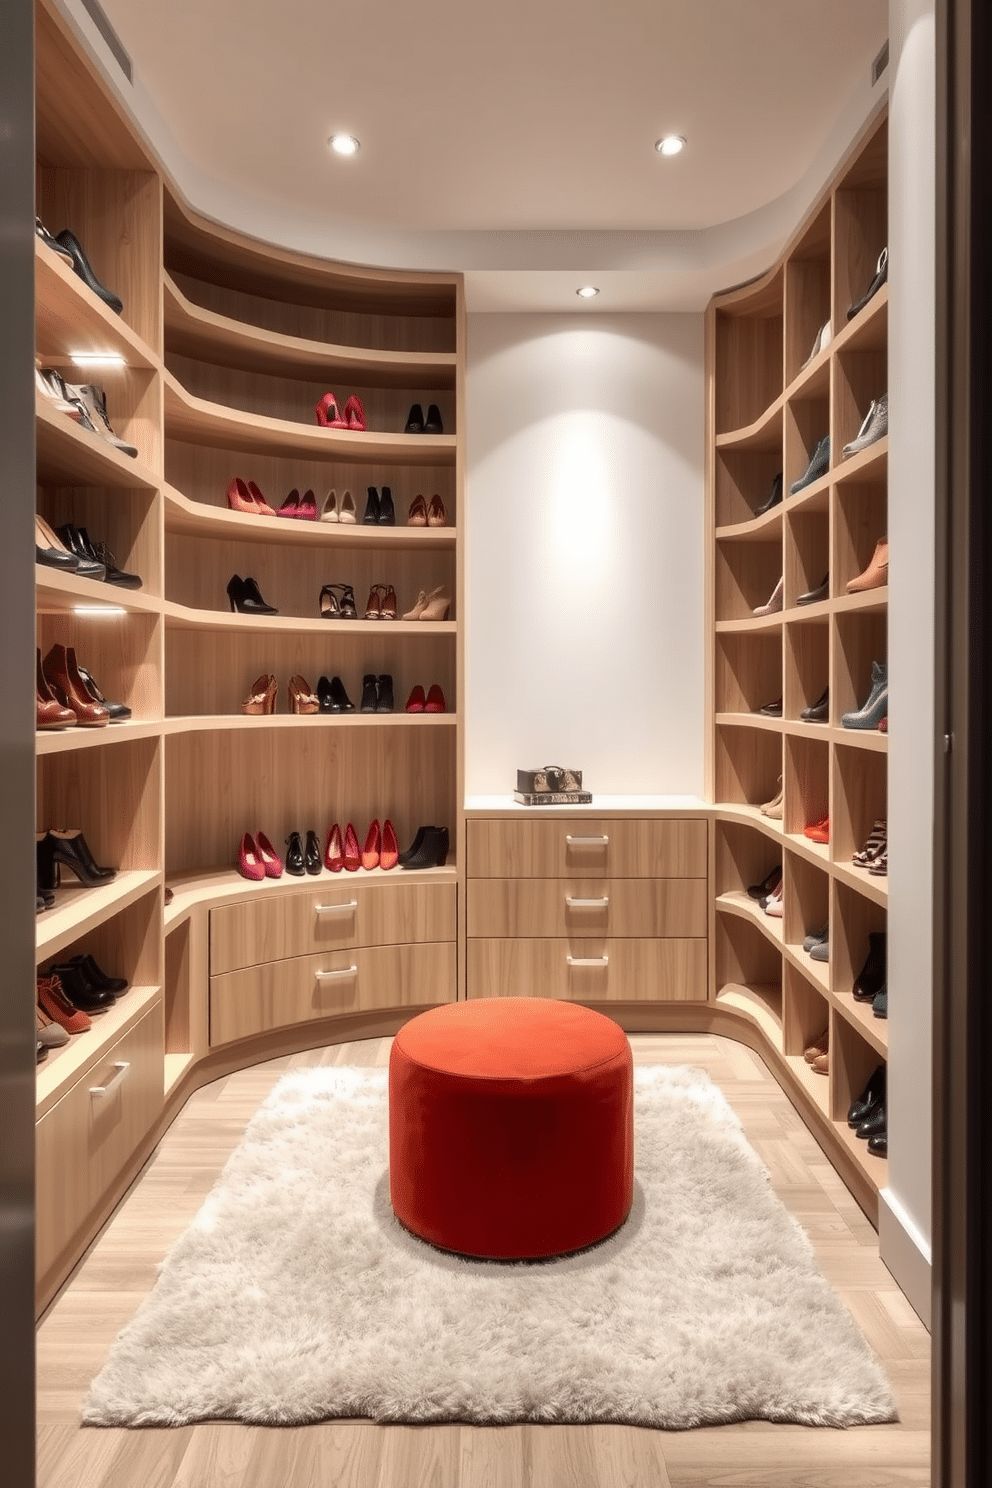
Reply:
x=258, y=859
x=875, y=425
x=68, y=247
x=71, y=550
x=881, y=274
x=68, y=994
x=64, y=847
x=380, y=511
x=84, y=403
x=337, y=601
x=67, y=695
x=876, y=705
x=867, y=1114
x=331, y=697
x=329, y=416
x=875, y=854
x=819, y=464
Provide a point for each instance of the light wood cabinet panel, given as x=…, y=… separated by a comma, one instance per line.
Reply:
x=589, y=970
x=587, y=848
x=335, y=916
x=588, y=907
x=305, y=989
x=83, y=1143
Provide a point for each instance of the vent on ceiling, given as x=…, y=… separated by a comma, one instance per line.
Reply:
x=879, y=65
x=96, y=14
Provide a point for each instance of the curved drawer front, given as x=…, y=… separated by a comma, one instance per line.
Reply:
x=340, y=912
x=666, y=907
x=587, y=848
x=84, y=1142
x=588, y=970
x=304, y=989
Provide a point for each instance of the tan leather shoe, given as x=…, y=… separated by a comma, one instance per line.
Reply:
x=50, y=713
x=816, y=1048
x=877, y=572
x=821, y=1064
x=63, y=677
x=773, y=807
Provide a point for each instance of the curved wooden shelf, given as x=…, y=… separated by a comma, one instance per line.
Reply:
x=65, y=741
x=746, y=908
x=211, y=888
x=749, y=720
x=812, y=382
x=868, y=466
x=813, y=497
x=69, y=318
x=759, y=435
x=869, y=330
x=198, y=421
x=869, y=739
x=234, y=722
x=754, y=624
x=760, y=1003
x=192, y=331
x=180, y=615
x=872, y=886
x=69, y=455
x=56, y=592
x=197, y=519
x=757, y=529
x=78, y=910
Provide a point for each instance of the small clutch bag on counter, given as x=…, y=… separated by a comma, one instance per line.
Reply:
x=553, y=785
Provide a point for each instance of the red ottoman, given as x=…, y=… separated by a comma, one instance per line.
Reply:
x=511, y=1127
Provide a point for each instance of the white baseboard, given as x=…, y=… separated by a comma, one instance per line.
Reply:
x=905, y=1252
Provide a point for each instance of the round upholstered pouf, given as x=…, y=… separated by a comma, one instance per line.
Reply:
x=511, y=1127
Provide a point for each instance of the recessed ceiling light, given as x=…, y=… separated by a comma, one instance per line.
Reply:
x=587, y=292
x=344, y=144
x=672, y=144
x=97, y=359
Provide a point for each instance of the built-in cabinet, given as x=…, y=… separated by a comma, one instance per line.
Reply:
x=774, y=393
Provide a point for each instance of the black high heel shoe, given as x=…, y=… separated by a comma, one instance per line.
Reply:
x=387, y=512
x=246, y=598
x=79, y=989
x=337, y=602
x=333, y=698
x=415, y=420
x=98, y=978
x=81, y=264
x=68, y=849
x=432, y=423
x=312, y=854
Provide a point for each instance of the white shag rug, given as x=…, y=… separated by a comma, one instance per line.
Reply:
x=295, y=1295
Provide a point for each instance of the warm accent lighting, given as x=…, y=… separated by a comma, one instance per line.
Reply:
x=97, y=359
x=344, y=144
x=113, y=610
x=672, y=144
x=587, y=292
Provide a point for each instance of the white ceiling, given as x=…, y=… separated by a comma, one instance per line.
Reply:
x=512, y=138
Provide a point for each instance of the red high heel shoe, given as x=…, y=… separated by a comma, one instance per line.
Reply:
x=249, y=863
x=261, y=505
x=334, y=852
x=354, y=413
x=370, y=852
x=389, y=852
x=415, y=702
x=352, y=854
x=271, y=861
x=307, y=509
x=435, y=700
x=291, y=506
x=328, y=413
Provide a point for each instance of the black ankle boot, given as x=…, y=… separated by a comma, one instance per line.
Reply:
x=432, y=852
x=385, y=690
x=79, y=990
x=57, y=850
x=370, y=695
x=312, y=855
x=871, y=977
x=294, y=855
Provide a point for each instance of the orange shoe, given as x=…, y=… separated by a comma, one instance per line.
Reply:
x=877, y=572
x=818, y=831
x=373, y=842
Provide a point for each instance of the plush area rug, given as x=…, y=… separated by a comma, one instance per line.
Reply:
x=295, y=1295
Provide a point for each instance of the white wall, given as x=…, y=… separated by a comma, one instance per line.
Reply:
x=905, y=1217
x=584, y=537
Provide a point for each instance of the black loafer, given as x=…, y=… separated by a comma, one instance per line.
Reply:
x=817, y=712
x=873, y=1093
x=873, y=1124
x=815, y=596
x=80, y=263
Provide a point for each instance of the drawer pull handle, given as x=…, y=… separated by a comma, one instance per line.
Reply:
x=344, y=908
x=113, y=1082
x=330, y=976
x=587, y=903
x=588, y=960
x=603, y=841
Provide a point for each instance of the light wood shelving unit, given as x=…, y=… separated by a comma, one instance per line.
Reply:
x=227, y=347
x=767, y=408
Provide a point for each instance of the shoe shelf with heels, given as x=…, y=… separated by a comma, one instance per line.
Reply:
x=71, y=455
x=70, y=318
x=196, y=420
x=203, y=519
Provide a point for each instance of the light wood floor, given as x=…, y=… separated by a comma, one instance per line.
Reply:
x=120, y=1269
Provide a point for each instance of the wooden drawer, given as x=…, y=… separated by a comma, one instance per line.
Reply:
x=634, y=970
x=280, y=993
x=87, y=1138
x=588, y=907
x=567, y=847
x=334, y=914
